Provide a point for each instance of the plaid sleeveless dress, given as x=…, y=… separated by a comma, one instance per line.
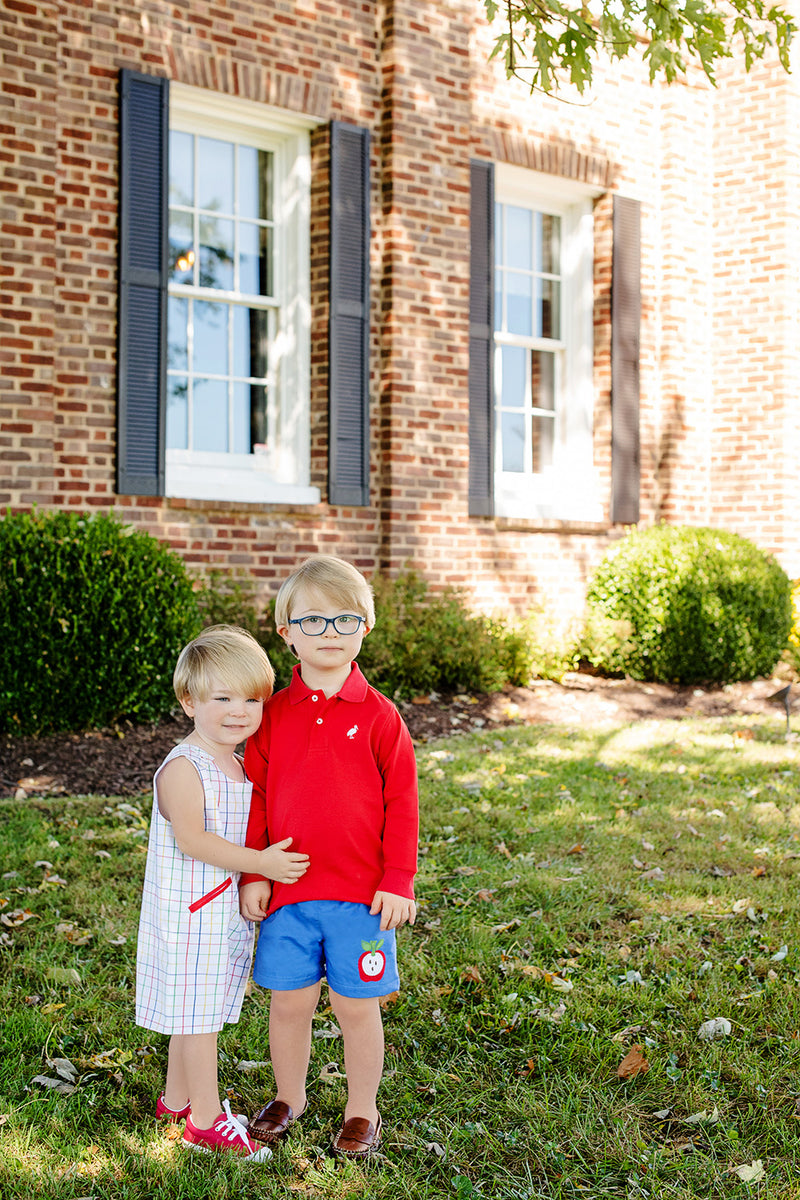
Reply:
x=194, y=949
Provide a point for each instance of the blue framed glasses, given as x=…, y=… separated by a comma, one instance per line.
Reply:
x=316, y=626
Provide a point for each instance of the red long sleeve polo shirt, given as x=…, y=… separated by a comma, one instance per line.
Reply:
x=339, y=777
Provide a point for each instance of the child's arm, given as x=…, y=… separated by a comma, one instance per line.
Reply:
x=396, y=760
x=182, y=803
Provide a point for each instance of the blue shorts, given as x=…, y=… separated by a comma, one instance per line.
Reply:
x=300, y=944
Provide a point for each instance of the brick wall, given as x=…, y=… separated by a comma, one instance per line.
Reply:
x=718, y=378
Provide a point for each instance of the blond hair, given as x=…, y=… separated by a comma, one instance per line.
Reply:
x=232, y=656
x=335, y=580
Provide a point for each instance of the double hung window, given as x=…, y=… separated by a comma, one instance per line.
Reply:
x=543, y=358
x=237, y=402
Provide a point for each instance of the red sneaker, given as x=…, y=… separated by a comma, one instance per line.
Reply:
x=225, y=1134
x=165, y=1113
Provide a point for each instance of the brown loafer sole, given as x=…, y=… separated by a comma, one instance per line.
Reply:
x=273, y=1122
x=358, y=1138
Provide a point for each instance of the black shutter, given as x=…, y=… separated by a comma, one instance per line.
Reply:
x=142, y=316
x=348, y=386
x=481, y=320
x=625, y=321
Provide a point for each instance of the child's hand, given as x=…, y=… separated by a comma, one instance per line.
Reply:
x=394, y=910
x=254, y=899
x=282, y=866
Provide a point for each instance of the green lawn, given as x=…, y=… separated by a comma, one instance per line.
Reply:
x=581, y=892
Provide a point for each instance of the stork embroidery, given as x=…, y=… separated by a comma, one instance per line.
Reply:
x=351, y=733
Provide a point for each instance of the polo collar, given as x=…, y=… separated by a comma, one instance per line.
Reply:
x=354, y=688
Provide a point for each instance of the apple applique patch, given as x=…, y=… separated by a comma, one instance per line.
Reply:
x=372, y=963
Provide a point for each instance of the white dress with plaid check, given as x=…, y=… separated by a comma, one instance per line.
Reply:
x=194, y=950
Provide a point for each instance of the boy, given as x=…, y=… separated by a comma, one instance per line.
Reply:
x=333, y=768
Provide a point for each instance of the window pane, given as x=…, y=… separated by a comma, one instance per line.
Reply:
x=181, y=168
x=543, y=383
x=548, y=299
x=259, y=426
x=177, y=412
x=209, y=414
x=241, y=418
x=215, y=175
x=518, y=241
x=255, y=275
x=210, y=338
x=181, y=247
x=216, y=254
x=512, y=436
x=177, y=334
x=548, y=239
x=519, y=303
x=514, y=367
x=249, y=343
x=255, y=183
x=542, y=447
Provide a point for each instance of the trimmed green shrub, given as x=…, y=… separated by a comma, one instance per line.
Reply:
x=92, y=617
x=426, y=641
x=680, y=604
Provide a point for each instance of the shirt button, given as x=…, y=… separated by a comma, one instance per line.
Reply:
x=319, y=720
x=315, y=698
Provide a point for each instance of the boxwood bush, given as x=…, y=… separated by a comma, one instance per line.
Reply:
x=92, y=617
x=683, y=604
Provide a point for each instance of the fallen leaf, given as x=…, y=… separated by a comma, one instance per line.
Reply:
x=634, y=1063
x=753, y=1172
x=703, y=1118
x=331, y=1071
x=578, y=848
x=63, y=975
x=487, y=895
x=246, y=1065
x=740, y=906
x=656, y=874
x=471, y=974
x=780, y=955
x=558, y=982
x=758, y=872
x=388, y=1000
x=711, y=1031
x=505, y=928
x=16, y=918
x=55, y=1085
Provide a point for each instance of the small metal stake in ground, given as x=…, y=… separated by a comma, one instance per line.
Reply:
x=784, y=697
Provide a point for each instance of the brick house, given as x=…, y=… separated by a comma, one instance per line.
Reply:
x=284, y=277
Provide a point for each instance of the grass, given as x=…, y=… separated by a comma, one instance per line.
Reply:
x=582, y=892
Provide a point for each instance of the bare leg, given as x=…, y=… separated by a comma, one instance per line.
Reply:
x=362, y=1029
x=192, y=1075
x=290, y=1015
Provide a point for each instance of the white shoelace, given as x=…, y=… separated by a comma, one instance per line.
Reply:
x=231, y=1130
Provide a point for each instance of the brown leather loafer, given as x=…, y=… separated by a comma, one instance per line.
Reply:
x=358, y=1138
x=272, y=1122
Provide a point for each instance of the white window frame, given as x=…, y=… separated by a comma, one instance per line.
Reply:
x=281, y=475
x=569, y=489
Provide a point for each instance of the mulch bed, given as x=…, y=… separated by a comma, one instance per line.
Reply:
x=121, y=761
